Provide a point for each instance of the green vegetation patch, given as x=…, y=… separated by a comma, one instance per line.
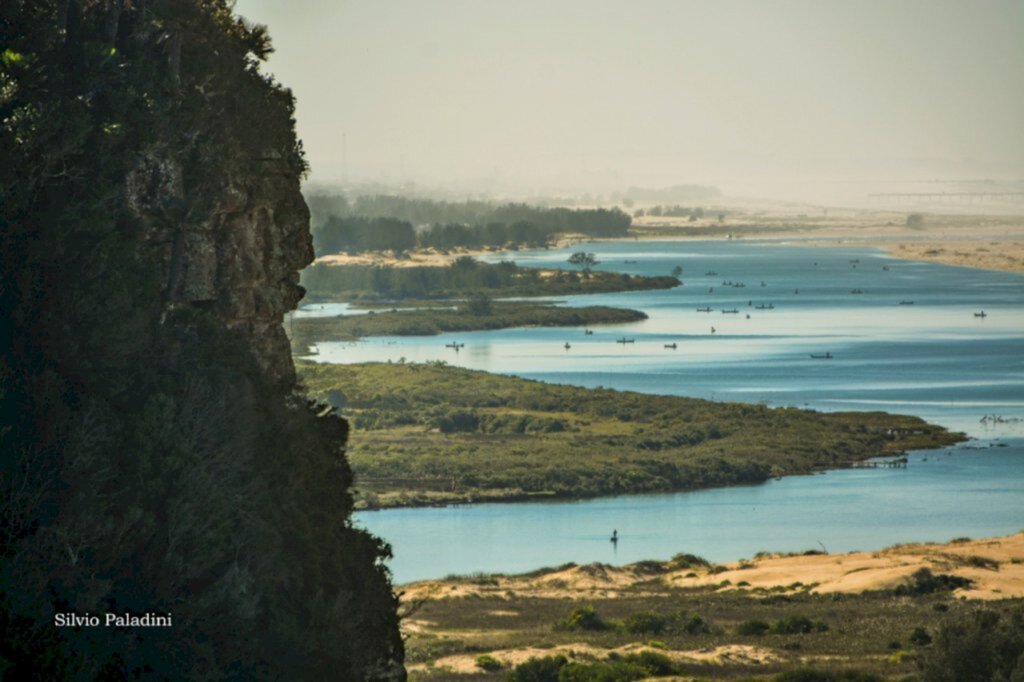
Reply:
x=478, y=313
x=969, y=640
x=389, y=283
x=430, y=433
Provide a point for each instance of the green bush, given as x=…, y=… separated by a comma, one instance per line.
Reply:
x=582, y=618
x=979, y=647
x=539, y=669
x=923, y=581
x=488, y=663
x=620, y=669
x=694, y=625
x=797, y=625
x=646, y=622
x=920, y=637
x=752, y=628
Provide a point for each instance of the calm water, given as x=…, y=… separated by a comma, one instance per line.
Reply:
x=932, y=357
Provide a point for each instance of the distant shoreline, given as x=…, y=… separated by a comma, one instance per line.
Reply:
x=999, y=248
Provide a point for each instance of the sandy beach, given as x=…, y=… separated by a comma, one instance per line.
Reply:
x=995, y=565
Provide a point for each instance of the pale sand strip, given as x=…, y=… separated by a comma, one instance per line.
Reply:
x=996, y=565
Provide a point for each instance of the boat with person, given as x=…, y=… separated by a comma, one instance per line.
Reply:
x=821, y=356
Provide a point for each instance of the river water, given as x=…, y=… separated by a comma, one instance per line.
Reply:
x=903, y=337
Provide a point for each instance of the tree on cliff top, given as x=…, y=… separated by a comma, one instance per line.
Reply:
x=154, y=456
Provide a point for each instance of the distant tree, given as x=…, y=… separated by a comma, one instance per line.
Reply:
x=584, y=261
x=479, y=304
x=677, y=271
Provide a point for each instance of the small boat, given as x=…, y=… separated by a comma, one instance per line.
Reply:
x=588, y=332
x=704, y=310
x=567, y=345
x=856, y=291
x=762, y=306
x=671, y=345
x=738, y=285
x=821, y=356
x=456, y=346
x=906, y=303
x=886, y=268
x=729, y=312
x=711, y=273
x=625, y=340
x=712, y=330
x=763, y=284
x=981, y=314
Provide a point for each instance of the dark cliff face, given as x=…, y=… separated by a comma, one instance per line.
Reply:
x=155, y=455
x=241, y=259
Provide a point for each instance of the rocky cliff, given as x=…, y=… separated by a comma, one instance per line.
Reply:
x=155, y=455
x=241, y=259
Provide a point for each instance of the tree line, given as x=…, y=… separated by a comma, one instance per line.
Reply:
x=393, y=223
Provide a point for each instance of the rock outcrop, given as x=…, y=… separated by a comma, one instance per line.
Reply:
x=241, y=259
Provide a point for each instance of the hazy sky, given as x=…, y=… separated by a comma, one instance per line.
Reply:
x=561, y=95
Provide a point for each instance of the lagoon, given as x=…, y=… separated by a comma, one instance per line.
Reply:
x=903, y=337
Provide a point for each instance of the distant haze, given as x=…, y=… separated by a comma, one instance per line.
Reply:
x=782, y=98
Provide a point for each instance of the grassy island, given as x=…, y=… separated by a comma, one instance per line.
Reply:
x=426, y=321
x=432, y=434
x=393, y=283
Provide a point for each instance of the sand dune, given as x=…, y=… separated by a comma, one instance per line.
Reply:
x=996, y=565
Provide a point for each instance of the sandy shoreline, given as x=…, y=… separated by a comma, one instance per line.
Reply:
x=995, y=565
x=967, y=241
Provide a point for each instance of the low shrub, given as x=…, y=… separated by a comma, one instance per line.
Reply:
x=544, y=669
x=923, y=581
x=752, y=628
x=582, y=618
x=797, y=625
x=646, y=622
x=488, y=663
